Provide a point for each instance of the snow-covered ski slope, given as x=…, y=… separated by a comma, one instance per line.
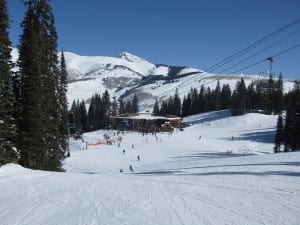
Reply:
x=217, y=171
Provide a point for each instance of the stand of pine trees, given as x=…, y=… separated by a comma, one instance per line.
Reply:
x=98, y=113
x=288, y=127
x=35, y=121
x=267, y=98
x=196, y=102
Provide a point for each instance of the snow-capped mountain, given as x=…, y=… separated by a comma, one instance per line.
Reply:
x=128, y=74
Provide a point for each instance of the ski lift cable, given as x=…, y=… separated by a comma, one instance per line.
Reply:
x=236, y=55
x=262, y=50
x=269, y=58
x=252, y=46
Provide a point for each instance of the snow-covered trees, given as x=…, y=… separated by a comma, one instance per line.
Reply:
x=8, y=151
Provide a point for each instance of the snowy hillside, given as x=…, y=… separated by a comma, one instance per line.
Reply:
x=128, y=74
x=197, y=176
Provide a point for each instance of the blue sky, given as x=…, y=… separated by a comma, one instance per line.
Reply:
x=195, y=33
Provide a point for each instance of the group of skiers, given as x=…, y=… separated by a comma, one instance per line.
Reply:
x=130, y=166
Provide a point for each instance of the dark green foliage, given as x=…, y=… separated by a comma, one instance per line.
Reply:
x=63, y=104
x=40, y=115
x=79, y=118
x=279, y=137
x=121, y=106
x=172, y=105
x=239, y=99
x=156, y=107
x=206, y=100
x=8, y=151
x=135, y=104
x=225, y=96
x=292, y=120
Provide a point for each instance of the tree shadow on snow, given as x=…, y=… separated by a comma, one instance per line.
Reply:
x=212, y=117
x=245, y=165
x=265, y=173
x=210, y=155
x=159, y=172
x=262, y=136
x=183, y=171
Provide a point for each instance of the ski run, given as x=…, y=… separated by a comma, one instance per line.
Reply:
x=221, y=170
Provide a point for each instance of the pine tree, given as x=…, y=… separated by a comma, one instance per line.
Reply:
x=63, y=103
x=8, y=151
x=186, y=105
x=83, y=116
x=114, y=107
x=105, y=109
x=176, y=104
x=225, y=97
x=195, y=103
x=121, y=106
x=31, y=127
x=40, y=116
x=292, y=121
x=239, y=99
x=156, y=107
x=217, y=95
x=135, y=104
x=279, y=134
x=278, y=95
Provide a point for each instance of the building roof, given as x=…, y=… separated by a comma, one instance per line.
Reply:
x=145, y=116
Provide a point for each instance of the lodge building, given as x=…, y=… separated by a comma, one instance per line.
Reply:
x=145, y=122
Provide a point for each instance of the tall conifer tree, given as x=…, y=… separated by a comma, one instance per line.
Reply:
x=40, y=117
x=8, y=151
x=63, y=103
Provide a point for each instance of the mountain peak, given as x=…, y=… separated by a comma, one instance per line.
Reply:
x=130, y=57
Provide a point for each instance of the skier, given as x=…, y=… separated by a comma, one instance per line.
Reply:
x=123, y=151
x=138, y=158
x=130, y=168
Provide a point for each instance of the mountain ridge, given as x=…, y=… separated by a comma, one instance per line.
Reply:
x=128, y=74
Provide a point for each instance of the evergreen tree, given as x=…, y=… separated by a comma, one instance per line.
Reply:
x=31, y=127
x=225, y=96
x=186, y=105
x=121, y=106
x=176, y=104
x=83, y=116
x=64, y=123
x=279, y=134
x=292, y=121
x=195, y=103
x=71, y=117
x=251, y=103
x=8, y=151
x=39, y=125
x=217, y=96
x=201, y=100
x=278, y=96
x=239, y=98
x=105, y=109
x=156, y=107
x=114, y=107
x=135, y=104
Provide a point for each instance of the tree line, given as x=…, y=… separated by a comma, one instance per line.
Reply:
x=100, y=109
x=263, y=96
x=33, y=103
x=287, y=136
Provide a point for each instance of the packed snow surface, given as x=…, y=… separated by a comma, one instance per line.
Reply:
x=217, y=171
